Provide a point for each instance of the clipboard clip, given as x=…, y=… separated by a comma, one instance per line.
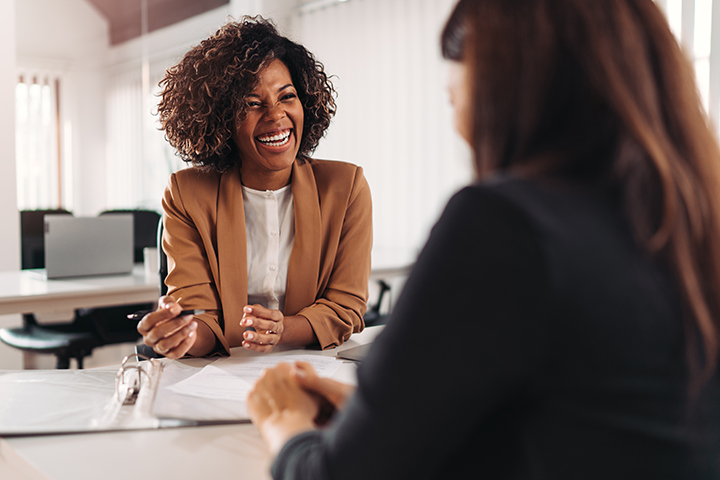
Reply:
x=127, y=385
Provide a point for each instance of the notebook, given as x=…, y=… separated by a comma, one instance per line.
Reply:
x=82, y=246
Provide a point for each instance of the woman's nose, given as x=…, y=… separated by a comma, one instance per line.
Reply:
x=275, y=112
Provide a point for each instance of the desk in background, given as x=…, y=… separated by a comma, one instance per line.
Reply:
x=228, y=451
x=24, y=291
x=52, y=301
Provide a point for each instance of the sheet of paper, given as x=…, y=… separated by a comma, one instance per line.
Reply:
x=232, y=379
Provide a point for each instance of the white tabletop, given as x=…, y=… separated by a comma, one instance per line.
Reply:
x=228, y=451
x=25, y=291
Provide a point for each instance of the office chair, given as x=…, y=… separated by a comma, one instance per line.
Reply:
x=373, y=316
x=90, y=328
x=141, y=348
x=64, y=340
x=162, y=260
x=32, y=236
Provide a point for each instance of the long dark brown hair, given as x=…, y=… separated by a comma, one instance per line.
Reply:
x=602, y=89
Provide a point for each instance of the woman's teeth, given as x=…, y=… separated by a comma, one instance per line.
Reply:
x=276, y=140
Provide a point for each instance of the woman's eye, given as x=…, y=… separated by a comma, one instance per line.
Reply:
x=253, y=104
x=289, y=96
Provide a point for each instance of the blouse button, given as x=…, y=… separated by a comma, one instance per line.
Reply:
x=272, y=268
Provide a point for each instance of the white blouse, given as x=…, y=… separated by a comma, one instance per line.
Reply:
x=270, y=231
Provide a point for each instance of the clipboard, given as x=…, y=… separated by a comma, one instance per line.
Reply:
x=58, y=402
x=140, y=395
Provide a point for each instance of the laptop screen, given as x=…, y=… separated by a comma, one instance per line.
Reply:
x=80, y=246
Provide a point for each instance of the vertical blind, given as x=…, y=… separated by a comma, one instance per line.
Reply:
x=139, y=158
x=37, y=141
x=393, y=116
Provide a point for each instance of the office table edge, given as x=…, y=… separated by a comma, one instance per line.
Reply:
x=85, y=292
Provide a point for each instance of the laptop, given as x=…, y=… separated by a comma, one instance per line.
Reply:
x=356, y=354
x=84, y=246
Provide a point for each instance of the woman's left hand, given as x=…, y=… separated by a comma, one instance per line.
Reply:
x=268, y=324
x=279, y=407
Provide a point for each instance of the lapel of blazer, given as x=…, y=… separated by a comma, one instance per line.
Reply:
x=232, y=254
x=304, y=267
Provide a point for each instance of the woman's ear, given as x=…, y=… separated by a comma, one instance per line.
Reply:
x=458, y=85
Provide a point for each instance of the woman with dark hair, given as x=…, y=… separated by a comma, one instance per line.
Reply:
x=274, y=246
x=584, y=265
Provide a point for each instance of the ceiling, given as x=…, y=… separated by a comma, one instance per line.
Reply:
x=125, y=18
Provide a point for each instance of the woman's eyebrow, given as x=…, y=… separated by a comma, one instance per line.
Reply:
x=289, y=85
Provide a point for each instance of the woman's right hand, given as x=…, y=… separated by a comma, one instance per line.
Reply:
x=166, y=332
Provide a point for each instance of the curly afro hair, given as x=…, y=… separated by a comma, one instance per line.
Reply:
x=203, y=95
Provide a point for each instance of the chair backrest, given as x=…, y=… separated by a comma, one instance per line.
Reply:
x=32, y=236
x=145, y=226
x=162, y=259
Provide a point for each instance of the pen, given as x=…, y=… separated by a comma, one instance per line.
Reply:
x=142, y=313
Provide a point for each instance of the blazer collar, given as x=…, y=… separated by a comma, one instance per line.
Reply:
x=304, y=268
x=232, y=254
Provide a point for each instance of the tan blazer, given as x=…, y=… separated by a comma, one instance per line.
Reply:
x=329, y=269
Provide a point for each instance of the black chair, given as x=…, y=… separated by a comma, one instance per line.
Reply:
x=90, y=328
x=162, y=260
x=373, y=316
x=141, y=348
x=32, y=236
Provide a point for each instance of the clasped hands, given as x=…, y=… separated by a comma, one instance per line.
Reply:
x=174, y=336
x=290, y=399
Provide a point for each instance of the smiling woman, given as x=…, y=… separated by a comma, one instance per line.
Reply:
x=268, y=136
x=273, y=245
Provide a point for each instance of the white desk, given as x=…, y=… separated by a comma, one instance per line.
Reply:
x=23, y=291
x=26, y=292
x=230, y=451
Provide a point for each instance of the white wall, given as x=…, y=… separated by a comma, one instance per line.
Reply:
x=9, y=218
x=393, y=112
x=70, y=37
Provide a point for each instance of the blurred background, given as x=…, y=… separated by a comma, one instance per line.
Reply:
x=87, y=84
x=79, y=83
